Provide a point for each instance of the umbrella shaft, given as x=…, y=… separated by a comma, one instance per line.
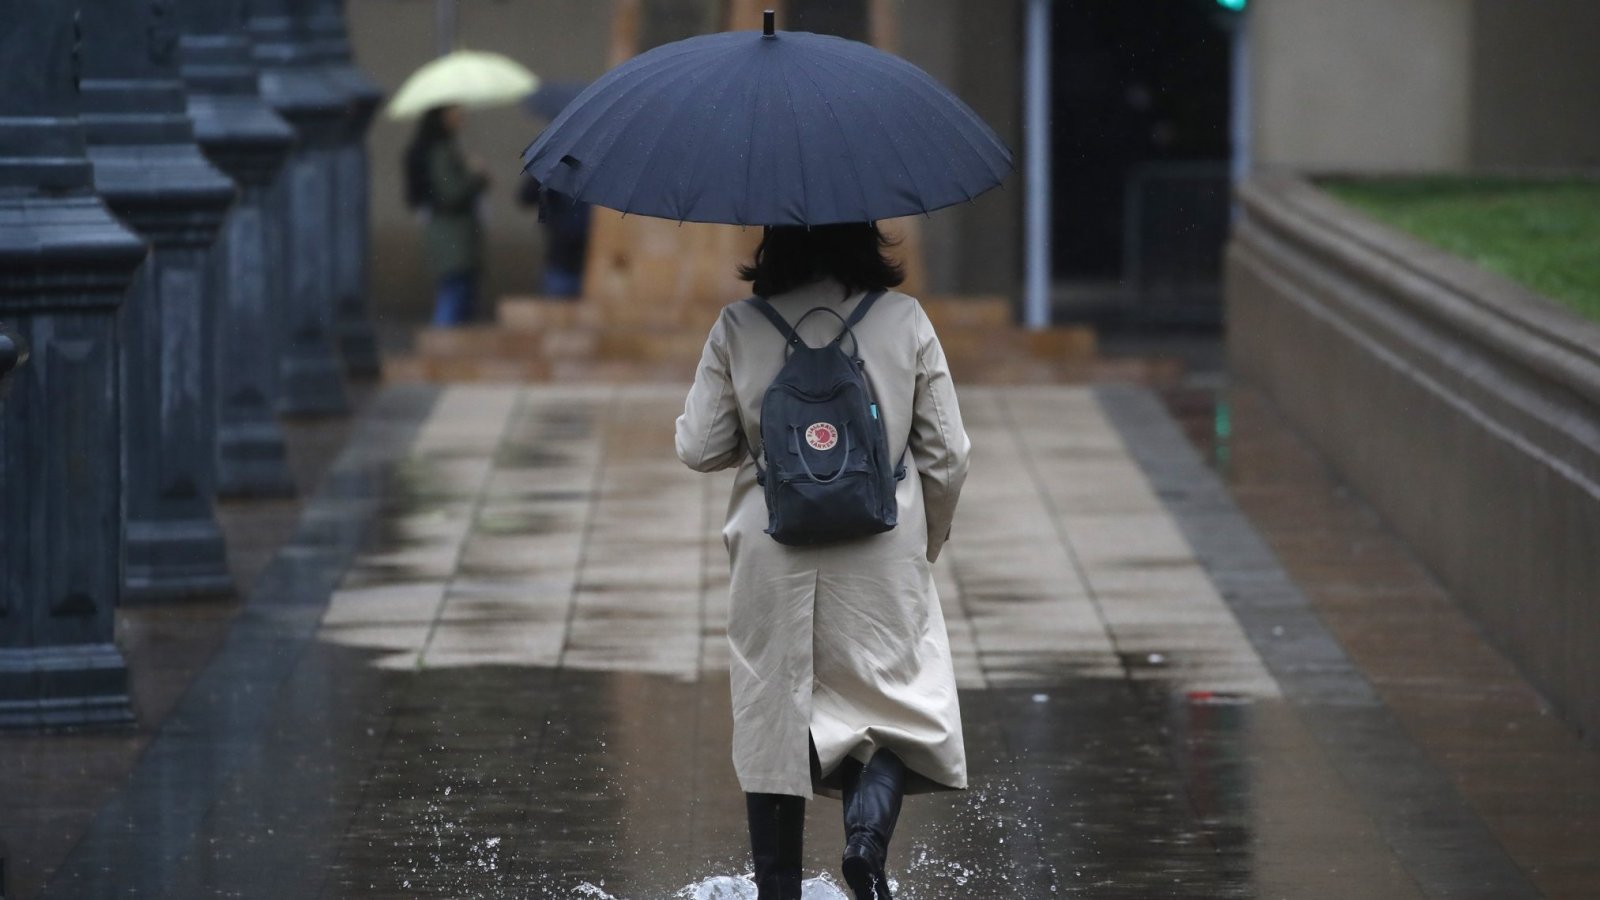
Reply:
x=446, y=20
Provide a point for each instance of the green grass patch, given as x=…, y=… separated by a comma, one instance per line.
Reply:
x=1545, y=234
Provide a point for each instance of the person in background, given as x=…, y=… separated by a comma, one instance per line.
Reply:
x=566, y=238
x=444, y=184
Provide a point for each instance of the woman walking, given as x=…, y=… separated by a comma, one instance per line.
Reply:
x=841, y=676
x=443, y=184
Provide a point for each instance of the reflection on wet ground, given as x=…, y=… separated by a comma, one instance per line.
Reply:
x=514, y=685
x=554, y=528
x=498, y=782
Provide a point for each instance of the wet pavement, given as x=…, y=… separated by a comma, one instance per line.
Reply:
x=491, y=663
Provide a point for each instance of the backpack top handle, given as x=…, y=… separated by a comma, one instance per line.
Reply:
x=791, y=332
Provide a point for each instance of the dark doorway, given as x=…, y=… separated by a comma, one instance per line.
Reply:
x=665, y=21
x=1140, y=162
x=845, y=18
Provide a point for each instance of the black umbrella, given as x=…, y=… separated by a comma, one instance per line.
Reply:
x=768, y=129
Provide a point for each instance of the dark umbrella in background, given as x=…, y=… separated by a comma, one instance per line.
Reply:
x=565, y=221
x=749, y=128
x=551, y=97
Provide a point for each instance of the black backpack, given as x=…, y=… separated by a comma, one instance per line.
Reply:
x=828, y=476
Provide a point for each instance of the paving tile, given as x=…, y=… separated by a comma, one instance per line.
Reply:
x=518, y=686
x=385, y=604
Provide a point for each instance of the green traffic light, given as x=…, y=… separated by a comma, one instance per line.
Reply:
x=1235, y=5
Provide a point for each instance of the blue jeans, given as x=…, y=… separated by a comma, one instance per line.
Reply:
x=453, y=301
x=561, y=283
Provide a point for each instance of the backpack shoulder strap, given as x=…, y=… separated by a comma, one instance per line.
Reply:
x=775, y=318
x=862, y=308
x=856, y=315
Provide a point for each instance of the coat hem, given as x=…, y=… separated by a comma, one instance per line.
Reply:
x=773, y=785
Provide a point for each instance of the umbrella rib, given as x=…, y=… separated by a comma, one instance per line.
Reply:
x=945, y=111
x=800, y=157
x=742, y=205
x=742, y=210
x=632, y=123
x=828, y=104
x=610, y=125
x=660, y=135
x=725, y=100
x=611, y=89
x=917, y=122
x=609, y=86
x=902, y=70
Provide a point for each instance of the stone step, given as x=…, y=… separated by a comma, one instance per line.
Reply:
x=966, y=348
x=494, y=342
x=989, y=342
x=542, y=313
x=536, y=338
x=417, y=368
x=1067, y=341
x=1001, y=370
x=478, y=342
x=987, y=371
x=560, y=343
x=978, y=311
x=650, y=346
x=617, y=371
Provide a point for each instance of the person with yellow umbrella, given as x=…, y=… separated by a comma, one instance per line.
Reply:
x=441, y=181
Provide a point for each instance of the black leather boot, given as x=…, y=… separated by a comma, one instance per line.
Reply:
x=777, y=843
x=872, y=795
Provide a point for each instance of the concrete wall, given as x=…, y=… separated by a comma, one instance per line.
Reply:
x=1464, y=409
x=1381, y=85
x=974, y=47
x=1362, y=84
x=989, y=77
x=1536, y=83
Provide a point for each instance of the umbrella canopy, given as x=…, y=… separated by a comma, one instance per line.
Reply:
x=463, y=78
x=752, y=129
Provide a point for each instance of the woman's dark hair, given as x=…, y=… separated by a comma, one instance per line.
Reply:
x=851, y=253
x=430, y=131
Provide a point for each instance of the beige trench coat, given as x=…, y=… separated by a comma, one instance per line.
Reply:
x=845, y=642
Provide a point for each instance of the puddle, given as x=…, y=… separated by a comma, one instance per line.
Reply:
x=720, y=887
x=522, y=456
x=521, y=520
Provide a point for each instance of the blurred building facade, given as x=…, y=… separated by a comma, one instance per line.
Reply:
x=1425, y=85
x=972, y=47
x=1151, y=113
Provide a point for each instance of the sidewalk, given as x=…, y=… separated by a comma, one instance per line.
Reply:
x=491, y=663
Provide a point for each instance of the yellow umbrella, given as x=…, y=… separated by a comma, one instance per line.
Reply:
x=463, y=78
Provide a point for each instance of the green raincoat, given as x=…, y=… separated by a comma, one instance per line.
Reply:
x=454, y=236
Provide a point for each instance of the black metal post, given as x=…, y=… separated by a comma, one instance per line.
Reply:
x=295, y=82
x=358, y=341
x=152, y=175
x=241, y=135
x=65, y=266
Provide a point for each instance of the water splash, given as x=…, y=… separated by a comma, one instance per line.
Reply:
x=982, y=842
x=721, y=887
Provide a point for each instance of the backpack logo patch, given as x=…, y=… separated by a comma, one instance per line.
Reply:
x=822, y=436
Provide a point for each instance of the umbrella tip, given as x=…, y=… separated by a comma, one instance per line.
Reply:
x=769, y=23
